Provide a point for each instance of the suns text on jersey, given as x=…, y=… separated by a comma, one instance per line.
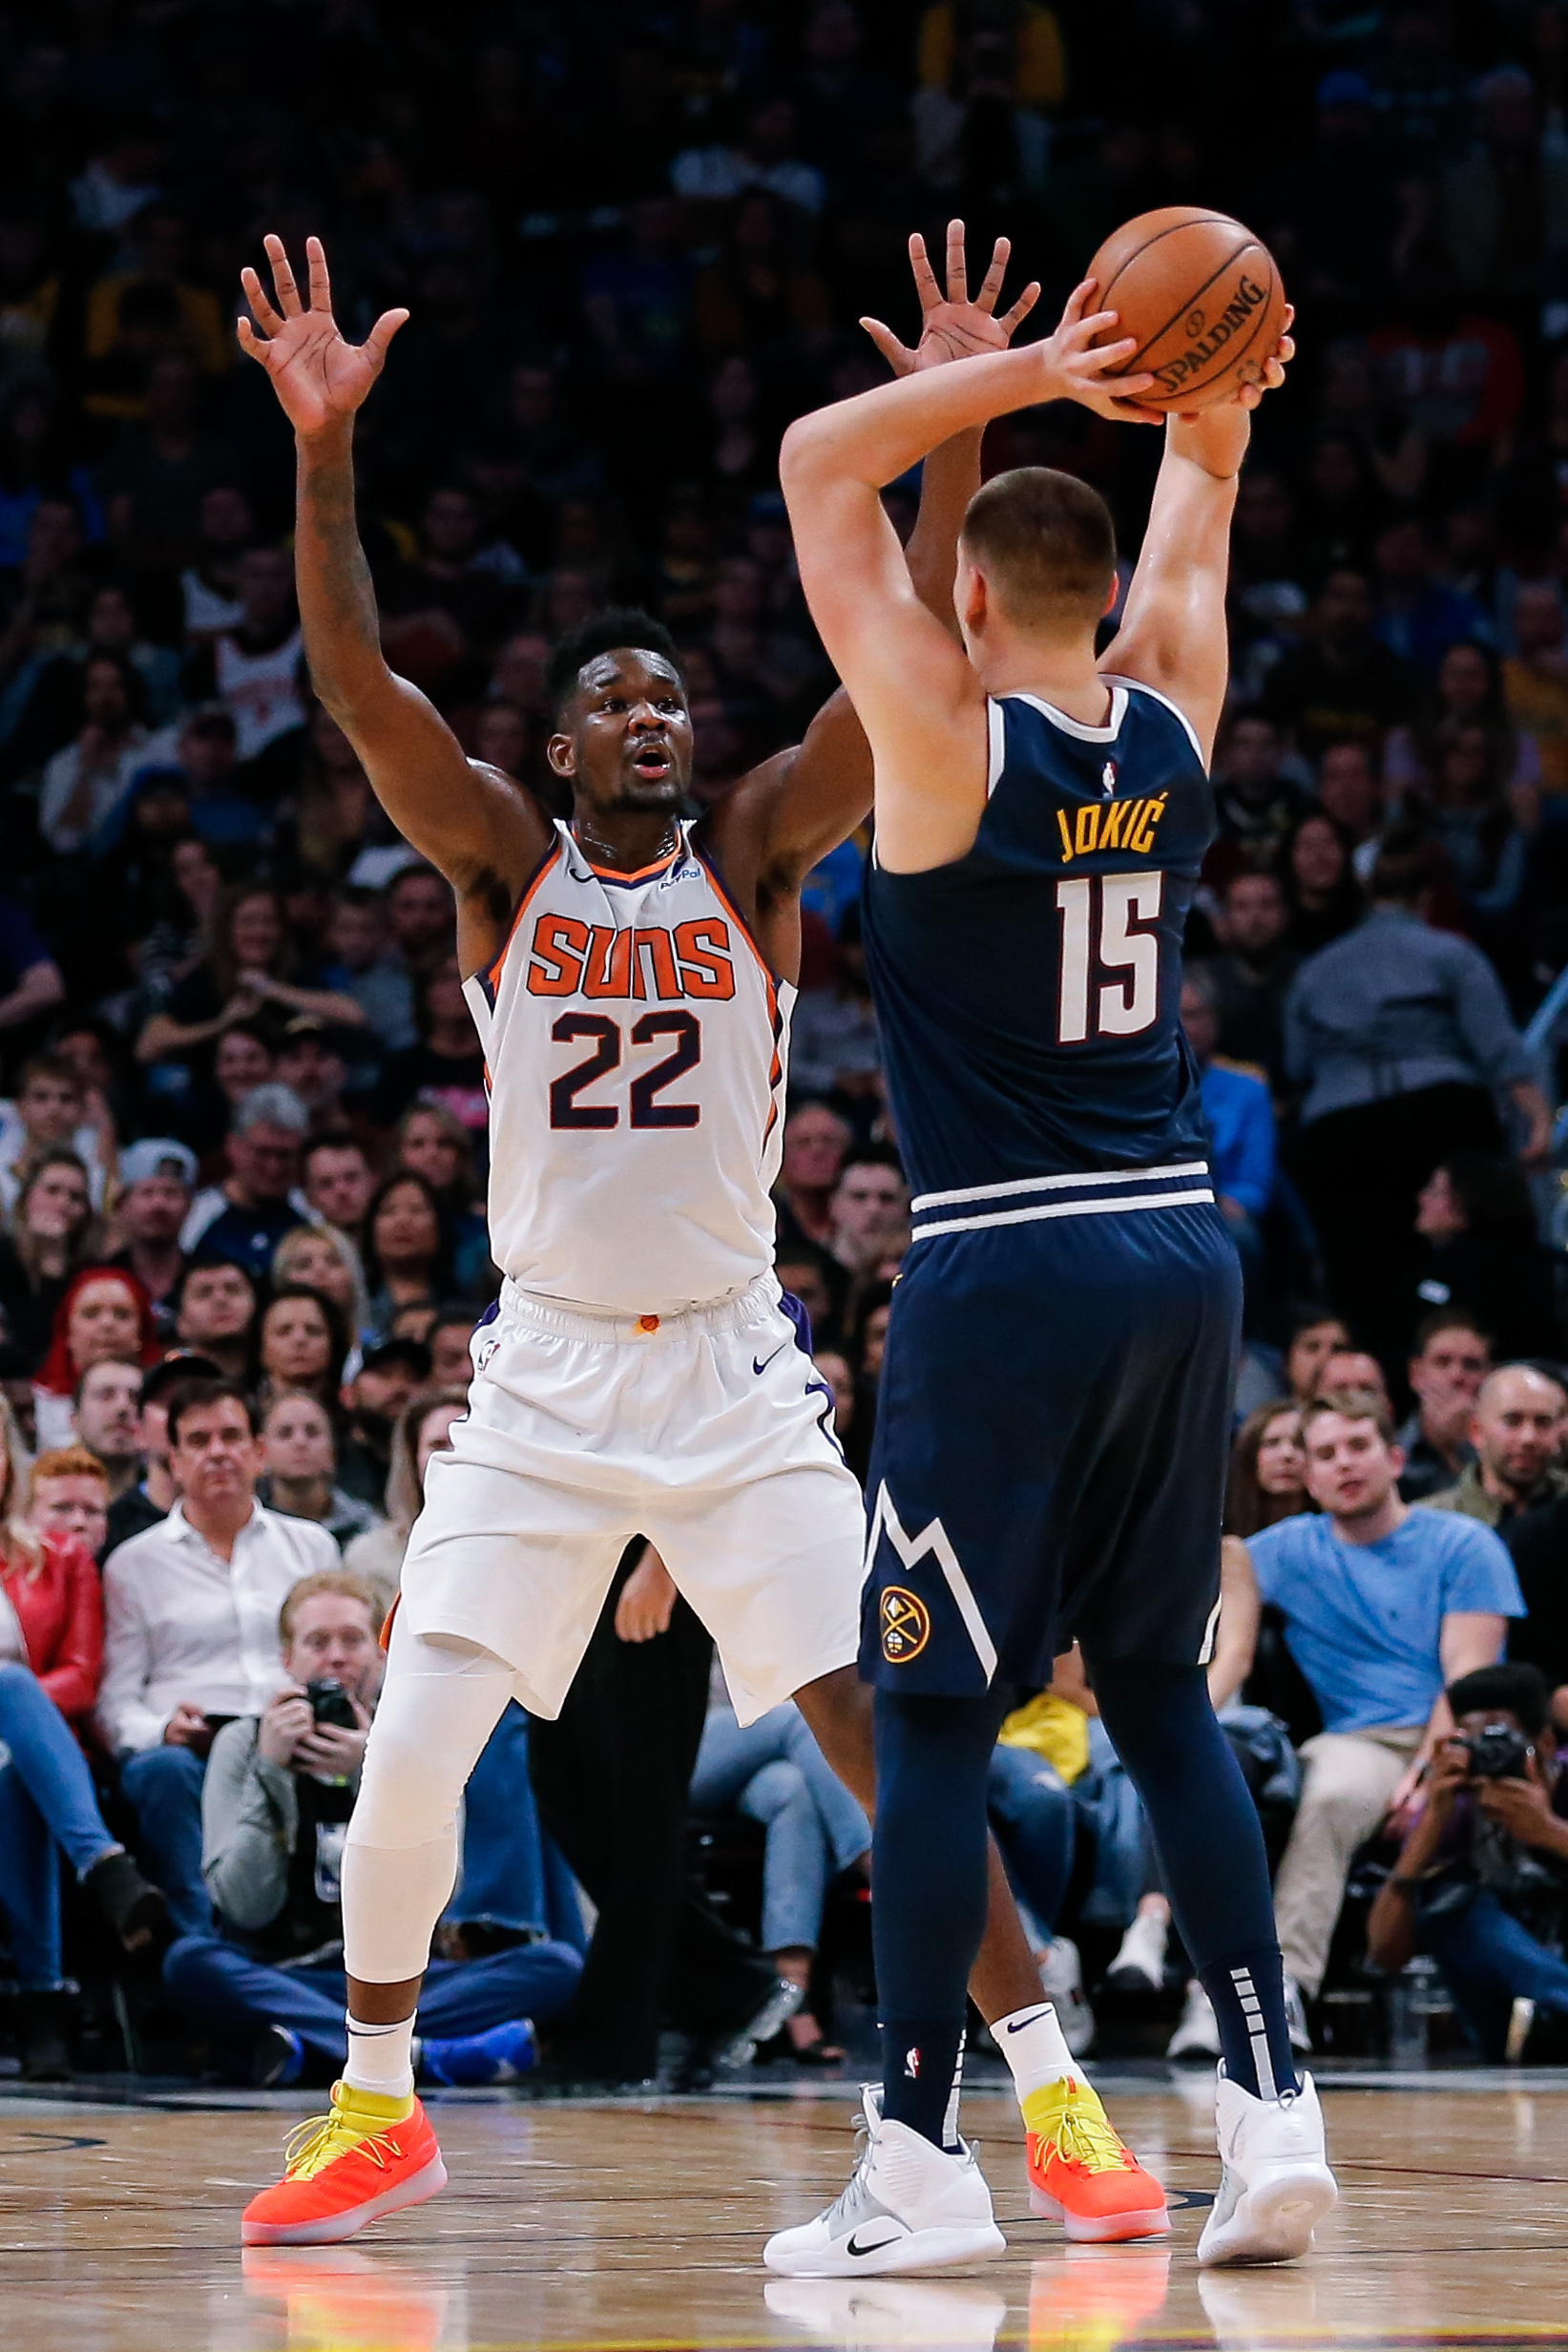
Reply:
x=570, y=958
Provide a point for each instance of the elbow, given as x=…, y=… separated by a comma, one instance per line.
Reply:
x=798, y=452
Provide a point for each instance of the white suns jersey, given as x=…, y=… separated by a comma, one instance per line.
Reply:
x=636, y=1047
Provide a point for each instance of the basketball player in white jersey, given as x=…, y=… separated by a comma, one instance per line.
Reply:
x=631, y=975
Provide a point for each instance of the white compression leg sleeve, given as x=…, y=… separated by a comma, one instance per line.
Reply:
x=440, y=1702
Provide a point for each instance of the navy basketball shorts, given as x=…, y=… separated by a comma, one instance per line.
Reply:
x=1051, y=1441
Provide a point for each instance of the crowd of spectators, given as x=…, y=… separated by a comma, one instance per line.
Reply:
x=243, y=1126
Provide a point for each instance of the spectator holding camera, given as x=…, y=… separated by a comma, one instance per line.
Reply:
x=1481, y=1882
x=280, y=1789
x=1517, y=1431
x=1382, y=1605
x=191, y=1627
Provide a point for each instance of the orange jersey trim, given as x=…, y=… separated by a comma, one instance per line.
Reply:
x=492, y=977
x=642, y=874
x=730, y=908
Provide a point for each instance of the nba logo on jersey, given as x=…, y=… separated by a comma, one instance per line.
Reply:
x=1107, y=778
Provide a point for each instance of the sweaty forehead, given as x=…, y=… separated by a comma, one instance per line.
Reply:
x=627, y=666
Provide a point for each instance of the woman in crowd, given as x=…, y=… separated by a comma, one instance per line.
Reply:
x=322, y=1258
x=1320, y=886
x=1480, y=1251
x=51, y=1658
x=1268, y=1471
x=424, y=1429
x=51, y=1235
x=407, y=1259
x=105, y=1317
x=250, y=966
x=1469, y=693
x=434, y=1144
x=301, y=1346
x=300, y=1455
x=445, y=1066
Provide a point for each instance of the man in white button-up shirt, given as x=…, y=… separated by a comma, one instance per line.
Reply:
x=191, y=1628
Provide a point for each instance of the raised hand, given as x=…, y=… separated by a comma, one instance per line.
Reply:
x=318, y=378
x=1216, y=438
x=952, y=327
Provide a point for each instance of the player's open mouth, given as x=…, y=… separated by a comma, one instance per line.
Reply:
x=653, y=762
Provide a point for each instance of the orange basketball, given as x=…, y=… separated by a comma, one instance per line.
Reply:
x=1202, y=295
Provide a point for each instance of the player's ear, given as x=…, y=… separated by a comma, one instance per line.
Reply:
x=1111, y=593
x=562, y=754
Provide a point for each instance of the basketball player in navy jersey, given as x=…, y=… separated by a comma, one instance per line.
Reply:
x=1052, y=1430
x=631, y=975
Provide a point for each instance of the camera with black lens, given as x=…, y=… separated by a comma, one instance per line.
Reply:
x=330, y=1703
x=1498, y=1751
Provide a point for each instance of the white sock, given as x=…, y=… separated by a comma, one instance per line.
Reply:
x=381, y=2058
x=1033, y=2043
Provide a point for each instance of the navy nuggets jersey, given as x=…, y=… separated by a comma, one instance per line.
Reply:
x=1053, y=1413
x=1028, y=994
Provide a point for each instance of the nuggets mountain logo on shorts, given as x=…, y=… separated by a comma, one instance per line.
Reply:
x=905, y=1625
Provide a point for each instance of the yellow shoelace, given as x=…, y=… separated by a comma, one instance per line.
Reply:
x=1083, y=2134
x=316, y=2143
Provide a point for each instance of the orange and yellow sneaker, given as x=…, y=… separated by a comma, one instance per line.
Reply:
x=371, y=2156
x=1081, y=2173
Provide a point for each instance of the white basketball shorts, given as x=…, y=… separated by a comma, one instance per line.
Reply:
x=707, y=1432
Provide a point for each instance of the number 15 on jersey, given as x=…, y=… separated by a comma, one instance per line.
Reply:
x=1108, y=980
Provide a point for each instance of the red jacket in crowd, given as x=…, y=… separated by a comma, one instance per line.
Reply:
x=60, y=1609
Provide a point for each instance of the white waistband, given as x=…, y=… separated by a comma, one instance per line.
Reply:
x=752, y=1305
x=1085, y=1182
x=1117, y=1206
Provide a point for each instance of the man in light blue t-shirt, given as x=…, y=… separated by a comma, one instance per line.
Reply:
x=1383, y=1606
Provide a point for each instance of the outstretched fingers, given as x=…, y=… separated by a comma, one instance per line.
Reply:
x=282, y=277
x=925, y=277
x=382, y=333
x=990, y=285
x=321, y=283
x=261, y=311
x=957, y=263
x=898, y=355
x=1014, y=319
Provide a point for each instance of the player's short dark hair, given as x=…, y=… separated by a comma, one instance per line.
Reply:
x=1519, y=1687
x=192, y=1395
x=608, y=632
x=1048, y=542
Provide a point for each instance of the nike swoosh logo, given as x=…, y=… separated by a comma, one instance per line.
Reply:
x=761, y=1368
x=1024, y=2023
x=875, y=2247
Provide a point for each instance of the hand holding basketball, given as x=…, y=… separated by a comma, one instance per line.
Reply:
x=319, y=376
x=1077, y=367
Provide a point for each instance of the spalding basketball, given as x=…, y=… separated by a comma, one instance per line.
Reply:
x=1203, y=297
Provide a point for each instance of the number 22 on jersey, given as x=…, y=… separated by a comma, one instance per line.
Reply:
x=1108, y=979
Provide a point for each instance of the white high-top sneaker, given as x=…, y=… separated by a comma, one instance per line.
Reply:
x=908, y=2207
x=1275, y=2185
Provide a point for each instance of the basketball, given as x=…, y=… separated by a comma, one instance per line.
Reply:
x=1202, y=295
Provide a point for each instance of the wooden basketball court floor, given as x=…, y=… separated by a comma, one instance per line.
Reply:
x=631, y=2224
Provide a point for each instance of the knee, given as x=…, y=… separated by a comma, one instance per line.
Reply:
x=188, y=1965
x=404, y=1798
x=778, y=1789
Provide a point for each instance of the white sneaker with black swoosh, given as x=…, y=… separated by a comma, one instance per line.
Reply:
x=909, y=2206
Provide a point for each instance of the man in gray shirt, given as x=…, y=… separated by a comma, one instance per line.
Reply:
x=1399, y=1039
